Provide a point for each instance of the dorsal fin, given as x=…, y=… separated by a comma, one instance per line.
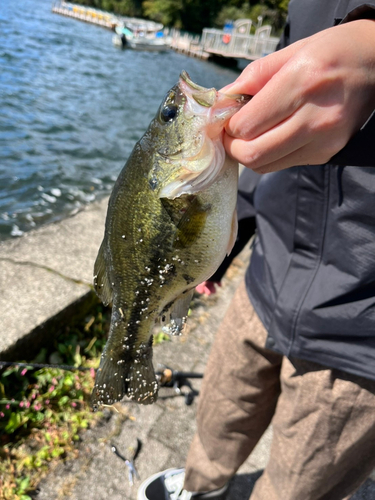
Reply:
x=101, y=281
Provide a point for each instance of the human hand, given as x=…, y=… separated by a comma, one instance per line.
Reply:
x=207, y=287
x=309, y=99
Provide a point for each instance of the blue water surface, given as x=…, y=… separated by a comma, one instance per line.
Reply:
x=72, y=106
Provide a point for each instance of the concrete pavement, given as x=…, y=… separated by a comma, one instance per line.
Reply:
x=42, y=277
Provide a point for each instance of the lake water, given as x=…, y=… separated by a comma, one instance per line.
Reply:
x=72, y=107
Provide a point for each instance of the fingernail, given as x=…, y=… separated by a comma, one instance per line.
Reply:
x=231, y=85
x=227, y=87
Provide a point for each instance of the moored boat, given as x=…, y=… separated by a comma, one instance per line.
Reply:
x=152, y=44
x=140, y=40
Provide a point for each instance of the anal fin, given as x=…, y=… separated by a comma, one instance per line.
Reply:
x=176, y=316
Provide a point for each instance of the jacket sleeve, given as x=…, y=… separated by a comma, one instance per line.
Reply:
x=360, y=150
x=246, y=229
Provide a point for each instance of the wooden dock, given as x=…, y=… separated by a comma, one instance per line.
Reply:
x=85, y=14
x=104, y=19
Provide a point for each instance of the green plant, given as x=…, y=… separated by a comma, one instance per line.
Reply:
x=43, y=411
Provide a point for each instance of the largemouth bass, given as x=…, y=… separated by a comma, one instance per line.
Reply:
x=171, y=219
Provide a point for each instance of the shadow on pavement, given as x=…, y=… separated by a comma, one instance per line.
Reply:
x=242, y=485
x=365, y=492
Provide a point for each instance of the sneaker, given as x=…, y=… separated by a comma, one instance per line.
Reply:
x=169, y=485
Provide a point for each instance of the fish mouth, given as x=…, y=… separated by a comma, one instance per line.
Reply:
x=194, y=86
x=203, y=96
x=213, y=107
x=209, y=97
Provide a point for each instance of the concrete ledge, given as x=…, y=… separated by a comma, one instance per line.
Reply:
x=46, y=280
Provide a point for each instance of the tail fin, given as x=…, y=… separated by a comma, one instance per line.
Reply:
x=134, y=378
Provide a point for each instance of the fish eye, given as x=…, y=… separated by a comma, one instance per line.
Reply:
x=169, y=112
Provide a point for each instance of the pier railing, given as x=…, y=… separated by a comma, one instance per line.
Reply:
x=239, y=45
x=187, y=44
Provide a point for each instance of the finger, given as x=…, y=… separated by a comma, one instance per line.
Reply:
x=297, y=158
x=280, y=141
x=269, y=107
x=258, y=73
x=206, y=288
x=201, y=287
x=211, y=287
x=311, y=153
x=278, y=99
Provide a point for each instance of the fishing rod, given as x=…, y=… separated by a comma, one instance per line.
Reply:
x=166, y=376
x=37, y=366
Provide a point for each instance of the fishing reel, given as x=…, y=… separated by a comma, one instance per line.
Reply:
x=167, y=377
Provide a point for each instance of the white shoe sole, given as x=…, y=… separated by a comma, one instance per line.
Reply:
x=141, y=495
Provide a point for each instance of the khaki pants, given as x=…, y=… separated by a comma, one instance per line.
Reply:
x=323, y=419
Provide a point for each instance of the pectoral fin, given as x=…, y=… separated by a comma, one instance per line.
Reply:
x=189, y=216
x=191, y=224
x=101, y=281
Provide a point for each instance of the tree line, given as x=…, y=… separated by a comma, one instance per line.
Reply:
x=194, y=15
